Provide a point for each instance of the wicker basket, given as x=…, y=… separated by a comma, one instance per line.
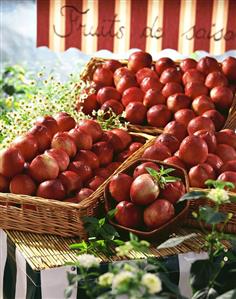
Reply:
x=87, y=75
x=164, y=230
x=39, y=215
x=194, y=204
x=225, y=208
x=231, y=121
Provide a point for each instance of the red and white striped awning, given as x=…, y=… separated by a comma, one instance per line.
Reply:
x=151, y=25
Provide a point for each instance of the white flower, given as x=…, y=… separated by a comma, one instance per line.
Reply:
x=128, y=267
x=151, y=282
x=100, y=112
x=94, y=113
x=120, y=278
x=106, y=279
x=124, y=249
x=123, y=114
x=88, y=261
x=218, y=195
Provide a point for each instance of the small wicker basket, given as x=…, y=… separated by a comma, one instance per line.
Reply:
x=194, y=204
x=162, y=232
x=87, y=75
x=48, y=216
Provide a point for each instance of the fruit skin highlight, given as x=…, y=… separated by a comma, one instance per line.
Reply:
x=142, y=168
x=52, y=189
x=119, y=187
x=128, y=214
x=60, y=156
x=22, y=184
x=27, y=145
x=193, y=150
x=158, y=213
x=43, y=167
x=144, y=190
x=139, y=60
x=199, y=174
x=173, y=191
x=11, y=162
x=228, y=176
x=157, y=151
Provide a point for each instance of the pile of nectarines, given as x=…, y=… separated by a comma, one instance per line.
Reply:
x=64, y=160
x=140, y=200
x=204, y=153
x=156, y=94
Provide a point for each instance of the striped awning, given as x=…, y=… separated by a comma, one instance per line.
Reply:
x=151, y=25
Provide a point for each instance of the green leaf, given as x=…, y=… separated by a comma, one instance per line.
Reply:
x=166, y=171
x=110, y=231
x=201, y=273
x=140, y=245
x=210, y=216
x=193, y=195
x=111, y=213
x=205, y=293
x=228, y=295
x=133, y=237
x=101, y=221
x=118, y=242
x=205, y=212
x=68, y=291
x=104, y=235
x=175, y=241
x=171, y=179
x=90, y=220
x=81, y=245
x=169, y=284
x=219, y=184
x=216, y=218
x=77, y=278
x=70, y=277
x=232, y=198
x=152, y=171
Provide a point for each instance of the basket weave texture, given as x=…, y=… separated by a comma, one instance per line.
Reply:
x=225, y=208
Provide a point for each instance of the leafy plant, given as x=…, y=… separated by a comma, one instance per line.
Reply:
x=123, y=278
x=102, y=237
x=133, y=245
x=109, y=120
x=139, y=279
x=206, y=275
x=46, y=96
x=26, y=95
x=162, y=176
x=15, y=79
x=131, y=279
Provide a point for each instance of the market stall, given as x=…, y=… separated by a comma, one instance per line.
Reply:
x=127, y=167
